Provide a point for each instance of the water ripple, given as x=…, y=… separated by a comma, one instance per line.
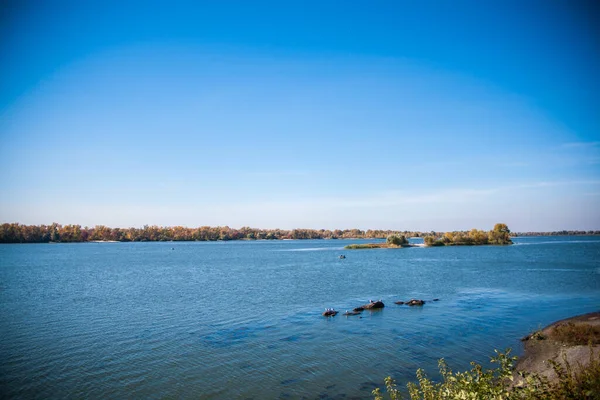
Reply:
x=244, y=321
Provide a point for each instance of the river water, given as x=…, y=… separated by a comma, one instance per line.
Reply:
x=243, y=319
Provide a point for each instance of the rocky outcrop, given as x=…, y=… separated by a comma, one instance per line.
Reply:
x=414, y=302
x=358, y=309
x=374, y=305
x=347, y=313
x=556, y=344
x=330, y=313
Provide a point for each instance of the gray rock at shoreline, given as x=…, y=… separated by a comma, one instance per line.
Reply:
x=544, y=345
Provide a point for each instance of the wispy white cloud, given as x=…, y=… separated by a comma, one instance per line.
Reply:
x=449, y=208
x=590, y=182
x=276, y=173
x=516, y=164
x=399, y=198
x=580, y=145
x=593, y=160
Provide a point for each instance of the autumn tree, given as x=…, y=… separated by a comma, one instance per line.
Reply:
x=499, y=235
x=396, y=240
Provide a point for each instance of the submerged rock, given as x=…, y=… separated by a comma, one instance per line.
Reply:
x=351, y=313
x=358, y=309
x=330, y=313
x=415, y=302
x=399, y=302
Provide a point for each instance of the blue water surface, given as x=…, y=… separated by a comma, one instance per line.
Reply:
x=243, y=319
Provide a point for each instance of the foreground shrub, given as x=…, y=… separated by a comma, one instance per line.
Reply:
x=474, y=384
x=576, y=382
x=498, y=383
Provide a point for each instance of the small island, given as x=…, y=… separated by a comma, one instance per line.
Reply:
x=500, y=235
x=392, y=242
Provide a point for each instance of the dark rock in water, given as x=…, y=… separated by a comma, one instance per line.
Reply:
x=330, y=313
x=368, y=385
x=352, y=313
x=373, y=305
x=358, y=309
x=399, y=302
x=342, y=256
x=436, y=300
x=414, y=302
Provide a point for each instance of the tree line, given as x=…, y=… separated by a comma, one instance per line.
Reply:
x=558, y=233
x=56, y=233
x=18, y=233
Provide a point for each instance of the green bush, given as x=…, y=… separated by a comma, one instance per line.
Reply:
x=396, y=240
x=498, y=383
x=474, y=384
x=432, y=241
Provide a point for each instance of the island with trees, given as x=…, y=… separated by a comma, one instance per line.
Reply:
x=391, y=242
x=500, y=235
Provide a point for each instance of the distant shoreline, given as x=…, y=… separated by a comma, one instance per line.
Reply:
x=56, y=233
x=243, y=240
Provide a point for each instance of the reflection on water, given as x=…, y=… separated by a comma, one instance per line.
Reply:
x=243, y=319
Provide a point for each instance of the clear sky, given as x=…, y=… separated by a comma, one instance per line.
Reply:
x=424, y=115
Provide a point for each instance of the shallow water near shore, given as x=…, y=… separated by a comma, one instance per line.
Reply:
x=243, y=319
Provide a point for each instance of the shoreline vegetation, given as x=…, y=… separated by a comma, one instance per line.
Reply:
x=500, y=235
x=561, y=361
x=56, y=233
x=391, y=242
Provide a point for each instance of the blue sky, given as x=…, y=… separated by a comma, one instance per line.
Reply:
x=387, y=114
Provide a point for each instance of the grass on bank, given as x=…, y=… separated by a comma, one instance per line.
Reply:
x=373, y=246
x=392, y=242
x=365, y=246
x=577, y=334
x=573, y=382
